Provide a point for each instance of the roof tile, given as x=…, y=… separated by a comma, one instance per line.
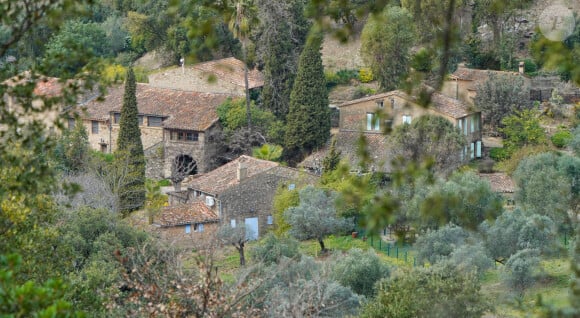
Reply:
x=194, y=212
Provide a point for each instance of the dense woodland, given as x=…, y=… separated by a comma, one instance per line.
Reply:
x=69, y=246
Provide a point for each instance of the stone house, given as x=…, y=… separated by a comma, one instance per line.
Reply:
x=189, y=224
x=242, y=191
x=224, y=76
x=175, y=125
x=463, y=83
x=362, y=116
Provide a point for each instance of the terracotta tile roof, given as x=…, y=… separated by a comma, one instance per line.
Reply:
x=499, y=182
x=445, y=105
x=45, y=86
x=347, y=143
x=217, y=181
x=183, y=109
x=189, y=213
x=232, y=70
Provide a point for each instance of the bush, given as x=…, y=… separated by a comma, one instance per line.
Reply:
x=510, y=165
x=331, y=79
x=499, y=154
x=272, y=248
x=365, y=75
x=520, y=270
x=561, y=138
x=344, y=76
x=530, y=67
x=359, y=270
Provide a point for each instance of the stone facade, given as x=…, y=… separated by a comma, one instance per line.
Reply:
x=195, y=238
x=176, y=121
x=396, y=108
x=242, y=191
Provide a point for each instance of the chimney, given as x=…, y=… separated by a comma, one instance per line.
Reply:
x=242, y=170
x=521, y=67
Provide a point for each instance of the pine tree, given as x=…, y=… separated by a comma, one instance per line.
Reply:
x=130, y=151
x=308, y=121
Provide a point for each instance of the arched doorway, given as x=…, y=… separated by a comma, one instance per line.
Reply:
x=184, y=165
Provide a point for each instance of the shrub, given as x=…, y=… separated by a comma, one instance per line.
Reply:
x=272, y=248
x=499, y=154
x=520, y=269
x=331, y=79
x=561, y=138
x=360, y=270
x=365, y=75
x=344, y=76
x=530, y=67
x=510, y=165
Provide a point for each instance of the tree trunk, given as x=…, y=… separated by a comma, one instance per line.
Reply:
x=247, y=87
x=242, y=257
x=322, y=248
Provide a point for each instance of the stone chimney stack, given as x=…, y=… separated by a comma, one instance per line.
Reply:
x=521, y=68
x=242, y=170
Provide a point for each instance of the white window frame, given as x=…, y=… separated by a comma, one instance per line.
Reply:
x=187, y=228
x=233, y=223
x=270, y=220
x=407, y=119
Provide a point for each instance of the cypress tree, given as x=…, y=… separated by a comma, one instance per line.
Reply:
x=283, y=33
x=130, y=151
x=308, y=121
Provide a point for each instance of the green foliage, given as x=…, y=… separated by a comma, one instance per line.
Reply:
x=306, y=288
x=429, y=138
x=501, y=96
x=308, y=121
x=283, y=200
x=130, y=150
x=428, y=292
x=561, y=138
x=233, y=116
x=359, y=270
x=478, y=58
x=315, y=216
x=520, y=269
x=422, y=61
x=281, y=41
x=271, y=249
x=74, y=46
x=575, y=142
x=510, y=164
x=547, y=185
x=434, y=246
x=30, y=299
x=522, y=129
x=268, y=152
x=471, y=258
x=499, y=154
x=385, y=43
x=332, y=159
x=362, y=91
x=514, y=231
x=72, y=149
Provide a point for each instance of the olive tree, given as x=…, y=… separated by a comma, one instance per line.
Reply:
x=315, y=217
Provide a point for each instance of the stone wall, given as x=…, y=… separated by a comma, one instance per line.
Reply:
x=155, y=161
x=176, y=235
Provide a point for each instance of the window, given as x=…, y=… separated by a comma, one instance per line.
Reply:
x=116, y=118
x=459, y=125
x=233, y=222
x=94, y=127
x=373, y=122
x=140, y=120
x=407, y=119
x=478, y=149
x=291, y=186
x=475, y=123
x=380, y=104
x=153, y=121
x=71, y=123
x=472, y=123
x=187, y=228
x=270, y=220
x=464, y=126
x=184, y=135
x=392, y=104
x=198, y=227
